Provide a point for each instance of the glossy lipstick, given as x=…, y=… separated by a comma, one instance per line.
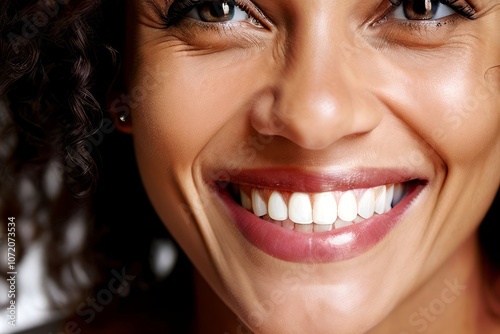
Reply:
x=332, y=246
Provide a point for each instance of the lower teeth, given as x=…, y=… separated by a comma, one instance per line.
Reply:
x=289, y=225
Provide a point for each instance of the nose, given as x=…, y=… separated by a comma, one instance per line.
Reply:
x=319, y=97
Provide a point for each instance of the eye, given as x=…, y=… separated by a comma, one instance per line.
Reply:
x=422, y=10
x=220, y=11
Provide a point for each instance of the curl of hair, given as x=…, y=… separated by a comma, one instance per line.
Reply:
x=59, y=60
x=54, y=73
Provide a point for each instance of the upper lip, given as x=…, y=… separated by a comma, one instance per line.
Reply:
x=294, y=180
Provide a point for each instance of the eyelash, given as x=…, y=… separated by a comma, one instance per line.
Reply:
x=179, y=8
x=462, y=7
x=177, y=11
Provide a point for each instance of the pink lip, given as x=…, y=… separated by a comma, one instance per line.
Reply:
x=332, y=246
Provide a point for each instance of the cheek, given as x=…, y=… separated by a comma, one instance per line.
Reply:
x=452, y=105
x=194, y=97
x=186, y=102
x=467, y=116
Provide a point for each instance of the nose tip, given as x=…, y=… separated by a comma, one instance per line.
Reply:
x=315, y=123
x=314, y=120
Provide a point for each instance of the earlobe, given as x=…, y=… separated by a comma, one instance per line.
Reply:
x=119, y=111
x=123, y=122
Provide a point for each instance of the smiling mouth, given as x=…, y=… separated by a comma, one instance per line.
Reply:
x=319, y=212
x=318, y=217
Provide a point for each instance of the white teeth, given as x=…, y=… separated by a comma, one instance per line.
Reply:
x=399, y=191
x=258, y=204
x=348, y=208
x=366, y=205
x=277, y=207
x=324, y=209
x=390, y=196
x=246, y=202
x=380, y=199
x=322, y=212
x=299, y=208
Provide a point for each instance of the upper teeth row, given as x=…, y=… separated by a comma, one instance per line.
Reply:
x=322, y=208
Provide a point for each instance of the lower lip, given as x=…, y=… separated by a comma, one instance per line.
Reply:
x=333, y=246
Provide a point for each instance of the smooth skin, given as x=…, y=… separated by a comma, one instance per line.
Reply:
x=319, y=85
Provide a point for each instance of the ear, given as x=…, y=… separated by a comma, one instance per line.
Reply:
x=119, y=110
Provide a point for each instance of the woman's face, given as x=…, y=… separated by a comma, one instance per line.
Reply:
x=317, y=160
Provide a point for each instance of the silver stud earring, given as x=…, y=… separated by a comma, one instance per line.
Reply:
x=123, y=118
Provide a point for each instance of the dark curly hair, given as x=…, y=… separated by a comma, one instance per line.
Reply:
x=59, y=59
x=49, y=57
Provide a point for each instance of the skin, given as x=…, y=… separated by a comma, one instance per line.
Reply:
x=321, y=87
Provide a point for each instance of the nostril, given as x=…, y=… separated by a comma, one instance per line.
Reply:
x=313, y=114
